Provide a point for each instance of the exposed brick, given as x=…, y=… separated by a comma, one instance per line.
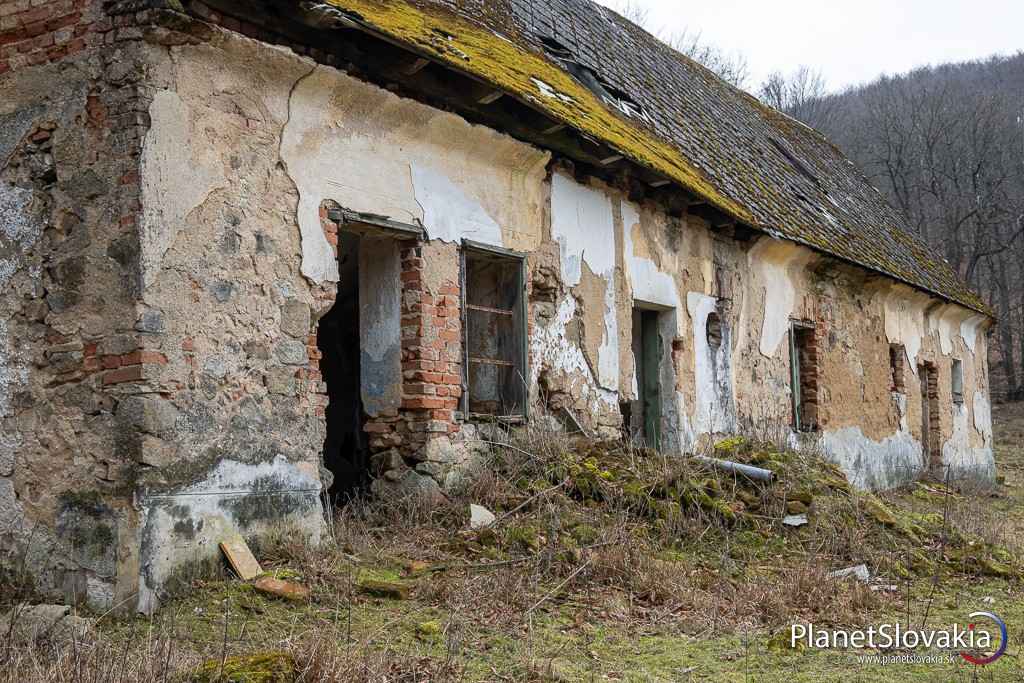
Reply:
x=133, y=373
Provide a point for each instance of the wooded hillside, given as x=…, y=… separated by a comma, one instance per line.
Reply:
x=946, y=146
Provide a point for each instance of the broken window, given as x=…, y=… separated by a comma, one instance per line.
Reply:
x=958, y=381
x=494, y=332
x=897, y=368
x=803, y=350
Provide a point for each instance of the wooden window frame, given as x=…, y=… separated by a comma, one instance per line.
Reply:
x=469, y=248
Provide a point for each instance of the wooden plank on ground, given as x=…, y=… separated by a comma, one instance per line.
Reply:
x=240, y=557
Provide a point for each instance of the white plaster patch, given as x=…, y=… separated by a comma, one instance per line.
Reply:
x=449, y=214
x=983, y=416
x=774, y=262
x=715, y=410
x=948, y=321
x=549, y=347
x=583, y=225
x=647, y=282
x=208, y=511
x=178, y=172
x=373, y=152
x=19, y=228
x=904, y=311
x=874, y=465
x=959, y=459
x=969, y=331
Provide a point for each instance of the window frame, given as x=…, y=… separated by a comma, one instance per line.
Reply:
x=467, y=248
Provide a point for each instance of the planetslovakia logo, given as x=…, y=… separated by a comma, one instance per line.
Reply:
x=1002, y=640
x=959, y=640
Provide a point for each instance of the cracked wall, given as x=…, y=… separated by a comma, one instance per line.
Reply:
x=166, y=257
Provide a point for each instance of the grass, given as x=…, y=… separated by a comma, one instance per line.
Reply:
x=606, y=563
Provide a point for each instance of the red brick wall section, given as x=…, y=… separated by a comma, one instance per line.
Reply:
x=35, y=32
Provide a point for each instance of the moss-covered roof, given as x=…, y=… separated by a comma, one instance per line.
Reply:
x=588, y=67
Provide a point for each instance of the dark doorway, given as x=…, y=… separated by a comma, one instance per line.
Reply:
x=930, y=425
x=346, y=453
x=645, y=414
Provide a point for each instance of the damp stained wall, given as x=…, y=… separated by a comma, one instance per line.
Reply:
x=210, y=293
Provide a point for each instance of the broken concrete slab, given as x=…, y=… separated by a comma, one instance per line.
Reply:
x=480, y=517
x=795, y=520
x=860, y=572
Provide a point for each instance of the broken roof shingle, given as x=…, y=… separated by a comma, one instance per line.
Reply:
x=672, y=115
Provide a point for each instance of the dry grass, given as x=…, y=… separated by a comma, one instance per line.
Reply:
x=607, y=533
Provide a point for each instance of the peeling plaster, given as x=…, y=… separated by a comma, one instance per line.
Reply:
x=19, y=229
x=959, y=458
x=647, y=282
x=373, y=152
x=969, y=330
x=551, y=348
x=904, y=311
x=449, y=214
x=715, y=410
x=583, y=224
x=178, y=173
x=874, y=465
x=774, y=262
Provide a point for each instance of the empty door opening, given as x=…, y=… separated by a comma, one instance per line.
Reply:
x=645, y=414
x=346, y=453
x=930, y=425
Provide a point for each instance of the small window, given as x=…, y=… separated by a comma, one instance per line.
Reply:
x=494, y=333
x=804, y=366
x=714, y=332
x=897, y=368
x=958, y=381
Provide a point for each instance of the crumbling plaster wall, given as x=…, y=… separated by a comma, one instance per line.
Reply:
x=757, y=288
x=69, y=280
x=238, y=269
x=236, y=170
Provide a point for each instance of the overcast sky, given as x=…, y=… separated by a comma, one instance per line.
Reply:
x=849, y=41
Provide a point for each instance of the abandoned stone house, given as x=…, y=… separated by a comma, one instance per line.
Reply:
x=256, y=251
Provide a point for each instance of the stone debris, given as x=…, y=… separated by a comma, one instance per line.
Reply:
x=479, y=517
x=859, y=571
x=26, y=624
x=391, y=590
x=795, y=520
x=286, y=590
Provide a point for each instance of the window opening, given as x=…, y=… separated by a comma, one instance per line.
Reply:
x=494, y=333
x=804, y=366
x=957, y=372
x=897, y=368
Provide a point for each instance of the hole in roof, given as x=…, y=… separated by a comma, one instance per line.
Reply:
x=444, y=34
x=590, y=78
x=794, y=161
x=555, y=48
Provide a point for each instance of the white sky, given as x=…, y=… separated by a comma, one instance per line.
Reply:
x=849, y=41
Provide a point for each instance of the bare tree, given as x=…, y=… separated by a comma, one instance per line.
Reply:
x=946, y=145
x=732, y=67
x=802, y=94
